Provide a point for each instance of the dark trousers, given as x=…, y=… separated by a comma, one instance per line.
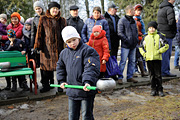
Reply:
x=45, y=77
x=154, y=67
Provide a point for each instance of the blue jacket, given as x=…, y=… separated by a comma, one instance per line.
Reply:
x=78, y=67
x=19, y=45
x=128, y=33
x=90, y=23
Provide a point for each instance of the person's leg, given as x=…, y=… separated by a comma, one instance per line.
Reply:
x=45, y=81
x=124, y=55
x=8, y=81
x=14, y=83
x=51, y=79
x=23, y=82
x=74, y=109
x=165, y=68
x=87, y=109
x=176, y=58
x=131, y=63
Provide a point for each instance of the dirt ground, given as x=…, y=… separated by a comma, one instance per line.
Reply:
x=123, y=104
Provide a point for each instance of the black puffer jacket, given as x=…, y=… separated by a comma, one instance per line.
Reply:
x=113, y=34
x=76, y=22
x=166, y=19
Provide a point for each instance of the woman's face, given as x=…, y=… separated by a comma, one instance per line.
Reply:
x=96, y=15
x=138, y=12
x=54, y=11
x=38, y=10
x=14, y=20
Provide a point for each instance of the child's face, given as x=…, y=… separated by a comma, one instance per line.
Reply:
x=3, y=21
x=73, y=43
x=28, y=27
x=96, y=33
x=54, y=11
x=38, y=10
x=96, y=15
x=151, y=29
x=12, y=39
x=138, y=12
x=14, y=20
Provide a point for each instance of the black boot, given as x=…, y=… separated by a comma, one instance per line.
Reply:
x=14, y=81
x=161, y=94
x=25, y=86
x=45, y=81
x=8, y=81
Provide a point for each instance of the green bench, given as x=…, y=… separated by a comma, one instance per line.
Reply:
x=18, y=67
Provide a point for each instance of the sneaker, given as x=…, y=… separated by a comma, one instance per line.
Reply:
x=132, y=80
x=120, y=81
x=153, y=93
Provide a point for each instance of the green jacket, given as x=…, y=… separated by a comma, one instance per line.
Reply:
x=153, y=45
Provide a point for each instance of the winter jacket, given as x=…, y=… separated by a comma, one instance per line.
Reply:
x=17, y=28
x=78, y=67
x=166, y=19
x=178, y=31
x=140, y=27
x=76, y=22
x=26, y=37
x=3, y=29
x=34, y=26
x=18, y=45
x=128, y=33
x=100, y=44
x=90, y=23
x=49, y=40
x=113, y=34
x=153, y=45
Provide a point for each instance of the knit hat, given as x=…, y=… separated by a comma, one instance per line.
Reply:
x=97, y=28
x=16, y=14
x=11, y=33
x=69, y=32
x=38, y=4
x=152, y=24
x=3, y=16
x=28, y=21
x=138, y=6
x=53, y=4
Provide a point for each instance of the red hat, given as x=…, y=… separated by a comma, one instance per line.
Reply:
x=138, y=6
x=97, y=28
x=16, y=14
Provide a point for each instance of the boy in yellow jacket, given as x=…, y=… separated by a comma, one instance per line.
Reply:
x=152, y=47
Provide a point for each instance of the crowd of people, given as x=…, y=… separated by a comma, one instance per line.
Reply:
x=88, y=46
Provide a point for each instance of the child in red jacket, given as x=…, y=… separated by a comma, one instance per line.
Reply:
x=99, y=42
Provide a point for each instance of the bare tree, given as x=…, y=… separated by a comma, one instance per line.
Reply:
x=87, y=7
x=102, y=4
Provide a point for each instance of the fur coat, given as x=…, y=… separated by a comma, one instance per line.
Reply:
x=49, y=40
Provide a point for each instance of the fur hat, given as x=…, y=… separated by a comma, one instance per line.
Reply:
x=11, y=33
x=53, y=4
x=97, y=28
x=3, y=16
x=69, y=32
x=152, y=24
x=16, y=14
x=38, y=4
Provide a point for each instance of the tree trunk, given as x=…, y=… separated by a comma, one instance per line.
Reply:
x=87, y=7
x=102, y=4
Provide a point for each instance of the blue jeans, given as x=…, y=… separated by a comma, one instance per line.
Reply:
x=176, y=56
x=131, y=55
x=165, y=65
x=86, y=106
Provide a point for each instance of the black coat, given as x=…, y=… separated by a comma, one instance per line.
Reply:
x=166, y=19
x=76, y=22
x=113, y=34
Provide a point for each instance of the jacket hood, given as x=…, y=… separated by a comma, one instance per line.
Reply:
x=165, y=3
x=101, y=35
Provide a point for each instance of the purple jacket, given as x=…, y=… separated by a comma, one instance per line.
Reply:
x=3, y=29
